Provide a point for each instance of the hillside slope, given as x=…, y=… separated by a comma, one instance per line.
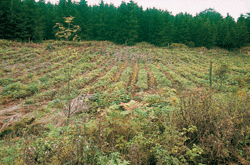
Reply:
x=123, y=102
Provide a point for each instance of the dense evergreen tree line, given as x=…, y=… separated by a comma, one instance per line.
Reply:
x=128, y=23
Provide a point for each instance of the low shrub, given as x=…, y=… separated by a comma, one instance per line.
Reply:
x=18, y=90
x=178, y=46
x=206, y=129
x=222, y=125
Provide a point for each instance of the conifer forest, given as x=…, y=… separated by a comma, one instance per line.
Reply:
x=126, y=23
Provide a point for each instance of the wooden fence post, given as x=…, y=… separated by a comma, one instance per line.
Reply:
x=211, y=67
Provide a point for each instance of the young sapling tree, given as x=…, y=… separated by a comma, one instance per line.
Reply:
x=67, y=34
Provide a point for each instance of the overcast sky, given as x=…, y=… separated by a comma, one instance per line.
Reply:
x=233, y=7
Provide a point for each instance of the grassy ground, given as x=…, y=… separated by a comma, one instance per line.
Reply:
x=128, y=105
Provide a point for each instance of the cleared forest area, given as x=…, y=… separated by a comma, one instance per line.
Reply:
x=136, y=104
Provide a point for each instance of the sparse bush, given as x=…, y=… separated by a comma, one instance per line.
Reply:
x=191, y=44
x=242, y=81
x=152, y=99
x=221, y=72
x=178, y=46
x=50, y=47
